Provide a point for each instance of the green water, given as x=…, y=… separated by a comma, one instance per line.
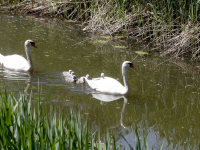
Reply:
x=164, y=94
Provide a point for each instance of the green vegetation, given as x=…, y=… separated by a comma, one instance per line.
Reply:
x=25, y=124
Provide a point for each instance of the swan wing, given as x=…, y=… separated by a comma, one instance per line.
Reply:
x=106, y=85
x=15, y=62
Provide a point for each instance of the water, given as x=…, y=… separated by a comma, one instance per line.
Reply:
x=164, y=94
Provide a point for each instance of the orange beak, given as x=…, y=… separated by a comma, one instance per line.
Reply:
x=132, y=66
x=33, y=45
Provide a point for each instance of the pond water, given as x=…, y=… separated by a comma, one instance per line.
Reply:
x=164, y=93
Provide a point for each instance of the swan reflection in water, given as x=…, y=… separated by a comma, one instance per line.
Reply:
x=109, y=98
x=10, y=76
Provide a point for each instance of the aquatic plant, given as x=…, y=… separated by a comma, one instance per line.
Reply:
x=24, y=124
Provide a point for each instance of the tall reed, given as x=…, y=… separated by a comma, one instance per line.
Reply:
x=24, y=125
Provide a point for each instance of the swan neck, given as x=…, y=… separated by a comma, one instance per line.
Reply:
x=28, y=56
x=124, y=74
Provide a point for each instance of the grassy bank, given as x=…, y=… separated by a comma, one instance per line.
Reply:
x=171, y=27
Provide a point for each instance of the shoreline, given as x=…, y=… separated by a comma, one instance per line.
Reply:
x=141, y=22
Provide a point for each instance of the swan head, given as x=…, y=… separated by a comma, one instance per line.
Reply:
x=102, y=75
x=30, y=43
x=72, y=73
x=74, y=77
x=128, y=64
x=87, y=76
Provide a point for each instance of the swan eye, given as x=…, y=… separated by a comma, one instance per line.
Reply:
x=131, y=65
x=32, y=43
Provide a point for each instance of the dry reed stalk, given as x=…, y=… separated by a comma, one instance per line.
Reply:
x=109, y=17
x=182, y=41
x=105, y=20
x=145, y=26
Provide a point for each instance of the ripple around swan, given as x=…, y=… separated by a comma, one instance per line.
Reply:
x=14, y=75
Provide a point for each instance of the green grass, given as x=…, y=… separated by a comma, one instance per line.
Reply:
x=25, y=124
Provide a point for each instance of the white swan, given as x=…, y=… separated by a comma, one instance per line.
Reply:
x=71, y=79
x=102, y=75
x=110, y=85
x=18, y=63
x=80, y=80
x=67, y=73
x=69, y=76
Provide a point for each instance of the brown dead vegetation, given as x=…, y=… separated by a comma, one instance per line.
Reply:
x=45, y=8
x=106, y=18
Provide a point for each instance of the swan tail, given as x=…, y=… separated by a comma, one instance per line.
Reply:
x=1, y=59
